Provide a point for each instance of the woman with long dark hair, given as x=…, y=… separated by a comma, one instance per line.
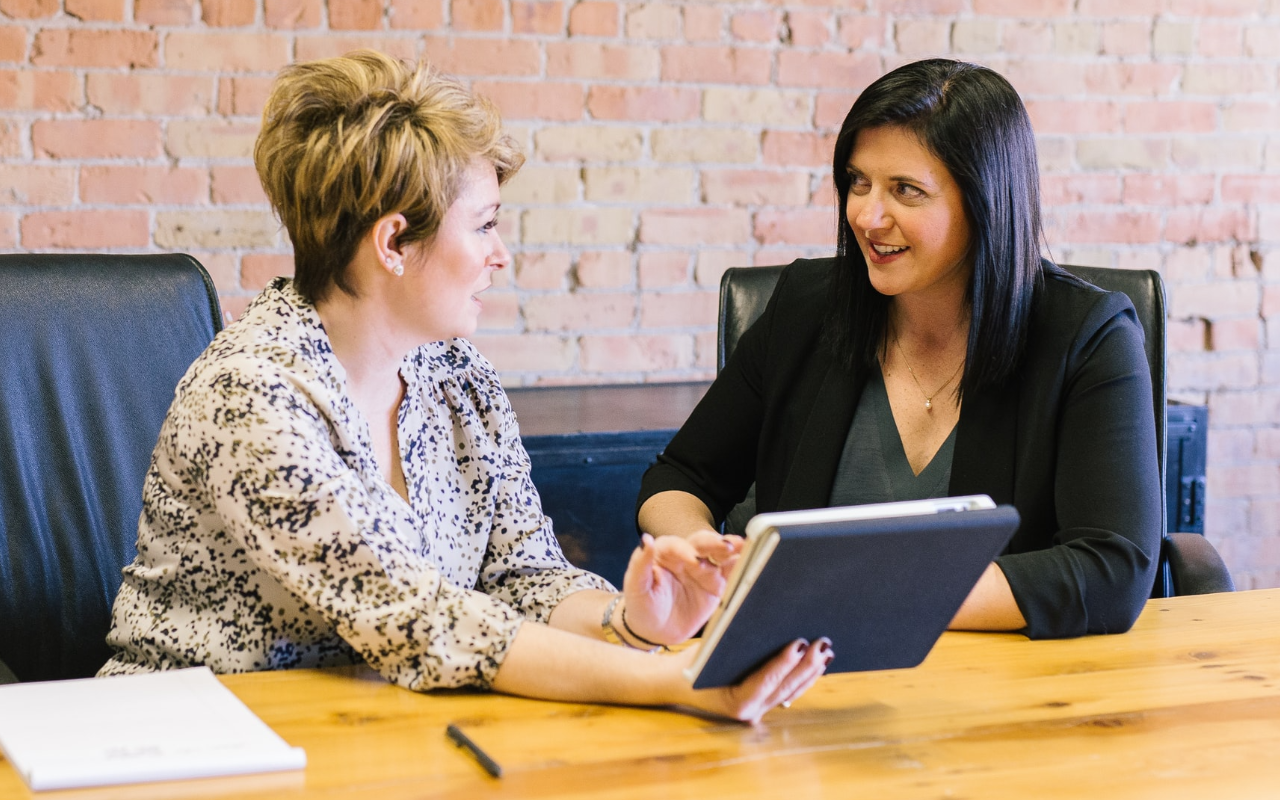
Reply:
x=936, y=355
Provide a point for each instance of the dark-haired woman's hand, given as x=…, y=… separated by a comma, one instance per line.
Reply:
x=780, y=681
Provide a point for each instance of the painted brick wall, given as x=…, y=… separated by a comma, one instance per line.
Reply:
x=668, y=140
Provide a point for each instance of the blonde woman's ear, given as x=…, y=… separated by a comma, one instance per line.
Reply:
x=386, y=234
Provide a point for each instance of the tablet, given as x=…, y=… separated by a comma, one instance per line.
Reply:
x=881, y=581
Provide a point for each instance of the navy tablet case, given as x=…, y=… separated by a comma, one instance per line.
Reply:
x=883, y=590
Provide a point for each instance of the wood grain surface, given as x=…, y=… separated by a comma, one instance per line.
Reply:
x=1186, y=705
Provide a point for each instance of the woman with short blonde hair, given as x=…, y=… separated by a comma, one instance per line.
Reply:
x=349, y=140
x=340, y=477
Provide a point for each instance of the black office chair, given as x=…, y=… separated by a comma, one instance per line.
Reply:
x=1189, y=564
x=91, y=349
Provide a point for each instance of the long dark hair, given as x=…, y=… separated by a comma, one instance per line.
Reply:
x=973, y=121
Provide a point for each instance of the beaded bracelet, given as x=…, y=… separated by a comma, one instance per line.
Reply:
x=656, y=647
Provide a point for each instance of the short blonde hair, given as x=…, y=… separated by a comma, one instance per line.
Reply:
x=348, y=140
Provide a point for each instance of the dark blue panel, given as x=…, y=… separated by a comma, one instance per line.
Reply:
x=1185, y=478
x=588, y=483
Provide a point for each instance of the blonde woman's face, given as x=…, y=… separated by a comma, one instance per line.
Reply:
x=457, y=264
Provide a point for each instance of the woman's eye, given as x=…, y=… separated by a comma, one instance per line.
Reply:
x=490, y=225
x=909, y=192
x=859, y=185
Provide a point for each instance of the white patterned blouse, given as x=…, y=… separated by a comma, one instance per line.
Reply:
x=269, y=539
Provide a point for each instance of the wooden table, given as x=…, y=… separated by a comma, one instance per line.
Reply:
x=1187, y=705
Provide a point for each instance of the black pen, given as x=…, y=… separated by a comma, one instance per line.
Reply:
x=462, y=740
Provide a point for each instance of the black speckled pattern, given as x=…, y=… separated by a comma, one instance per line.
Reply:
x=269, y=540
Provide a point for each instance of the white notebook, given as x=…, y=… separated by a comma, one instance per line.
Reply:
x=133, y=729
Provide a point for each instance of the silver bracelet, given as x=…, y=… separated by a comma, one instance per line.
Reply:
x=606, y=623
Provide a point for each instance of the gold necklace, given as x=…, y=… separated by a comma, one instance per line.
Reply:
x=928, y=398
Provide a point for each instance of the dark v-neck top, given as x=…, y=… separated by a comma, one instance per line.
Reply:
x=873, y=465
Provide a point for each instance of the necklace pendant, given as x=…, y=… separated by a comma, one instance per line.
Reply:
x=928, y=404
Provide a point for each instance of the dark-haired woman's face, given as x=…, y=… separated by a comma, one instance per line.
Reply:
x=907, y=214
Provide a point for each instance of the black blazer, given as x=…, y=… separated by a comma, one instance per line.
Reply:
x=1069, y=440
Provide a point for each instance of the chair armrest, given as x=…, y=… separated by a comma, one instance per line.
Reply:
x=1197, y=568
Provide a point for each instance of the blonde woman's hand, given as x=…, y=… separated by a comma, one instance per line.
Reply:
x=673, y=583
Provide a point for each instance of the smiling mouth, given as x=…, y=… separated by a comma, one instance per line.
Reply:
x=888, y=250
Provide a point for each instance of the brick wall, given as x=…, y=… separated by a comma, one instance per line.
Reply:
x=668, y=140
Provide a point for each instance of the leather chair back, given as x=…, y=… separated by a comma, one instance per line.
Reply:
x=91, y=349
x=1186, y=567
x=744, y=292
